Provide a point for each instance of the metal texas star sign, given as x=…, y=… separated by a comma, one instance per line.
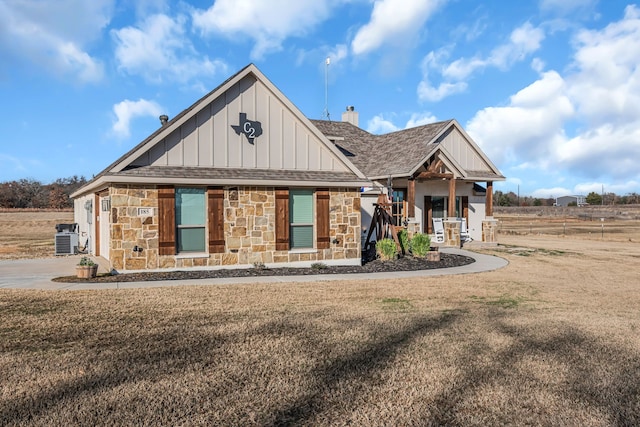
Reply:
x=250, y=128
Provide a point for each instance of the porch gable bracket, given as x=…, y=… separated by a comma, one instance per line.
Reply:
x=434, y=175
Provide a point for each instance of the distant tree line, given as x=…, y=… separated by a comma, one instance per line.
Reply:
x=29, y=193
x=593, y=198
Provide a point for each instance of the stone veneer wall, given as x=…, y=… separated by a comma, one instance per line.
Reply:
x=451, y=233
x=490, y=230
x=129, y=230
x=249, y=230
x=413, y=228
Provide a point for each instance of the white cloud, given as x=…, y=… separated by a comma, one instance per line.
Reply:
x=523, y=41
x=606, y=85
x=393, y=21
x=606, y=91
x=598, y=187
x=158, y=49
x=318, y=56
x=529, y=127
x=338, y=53
x=379, y=125
x=583, y=125
x=426, y=90
x=554, y=192
x=127, y=110
x=54, y=34
x=419, y=119
x=267, y=23
x=606, y=150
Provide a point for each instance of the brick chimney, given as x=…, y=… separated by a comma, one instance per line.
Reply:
x=350, y=116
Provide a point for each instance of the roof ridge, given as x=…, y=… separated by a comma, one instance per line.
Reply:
x=441, y=122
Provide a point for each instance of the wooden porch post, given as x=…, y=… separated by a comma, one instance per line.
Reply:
x=451, y=210
x=411, y=198
x=488, y=208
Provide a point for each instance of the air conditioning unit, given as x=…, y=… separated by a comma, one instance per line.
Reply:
x=66, y=243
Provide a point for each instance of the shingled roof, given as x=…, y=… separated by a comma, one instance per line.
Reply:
x=395, y=154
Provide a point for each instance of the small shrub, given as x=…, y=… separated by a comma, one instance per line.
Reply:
x=318, y=266
x=420, y=244
x=403, y=237
x=386, y=249
x=259, y=266
x=86, y=261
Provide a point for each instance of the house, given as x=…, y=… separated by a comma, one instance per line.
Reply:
x=430, y=171
x=243, y=178
x=571, y=201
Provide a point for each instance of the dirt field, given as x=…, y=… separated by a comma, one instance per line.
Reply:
x=552, y=339
x=29, y=233
x=585, y=227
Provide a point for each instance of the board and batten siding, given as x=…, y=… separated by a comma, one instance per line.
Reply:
x=208, y=140
x=459, y=148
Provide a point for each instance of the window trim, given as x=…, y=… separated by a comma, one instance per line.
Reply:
x=204, y=227
x=312, y=224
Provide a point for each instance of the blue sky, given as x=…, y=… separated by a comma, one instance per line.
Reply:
x=550, y=89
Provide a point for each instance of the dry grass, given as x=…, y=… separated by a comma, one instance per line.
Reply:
x=586, y=227
x=29, y=233
x=552, y=339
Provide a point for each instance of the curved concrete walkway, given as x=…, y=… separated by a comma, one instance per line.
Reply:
x=37, y=274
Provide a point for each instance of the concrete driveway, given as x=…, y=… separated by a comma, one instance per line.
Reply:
x=37, y=274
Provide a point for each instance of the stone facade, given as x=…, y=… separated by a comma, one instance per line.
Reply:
x=413, y=228
x=128, y=229
x=490, y=230
x=451, y=232
x=249, y=230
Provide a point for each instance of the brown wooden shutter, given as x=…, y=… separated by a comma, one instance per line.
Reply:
x=428, y=211
x=465, y=208
x=166, y=221
x=322, y=218
x=282, y=219
x=215, y=199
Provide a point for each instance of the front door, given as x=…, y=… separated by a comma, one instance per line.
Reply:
x=436, y=207
x=397, y=208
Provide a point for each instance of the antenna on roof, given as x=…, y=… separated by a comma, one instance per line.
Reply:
x=325, y=113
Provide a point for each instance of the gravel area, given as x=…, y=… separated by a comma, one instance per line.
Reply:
x=406, y=263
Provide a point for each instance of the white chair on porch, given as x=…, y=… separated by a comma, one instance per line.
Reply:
x=438, y=230
x=464, y=232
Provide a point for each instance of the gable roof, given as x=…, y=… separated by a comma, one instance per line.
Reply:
x=120, y=170
x=403, y=153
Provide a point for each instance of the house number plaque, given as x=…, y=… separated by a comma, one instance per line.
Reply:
x=145, y=211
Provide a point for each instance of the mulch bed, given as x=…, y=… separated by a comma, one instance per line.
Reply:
x=406, y=263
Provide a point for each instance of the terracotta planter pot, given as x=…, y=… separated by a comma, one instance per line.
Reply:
x=86, y=271
x=433, y=256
